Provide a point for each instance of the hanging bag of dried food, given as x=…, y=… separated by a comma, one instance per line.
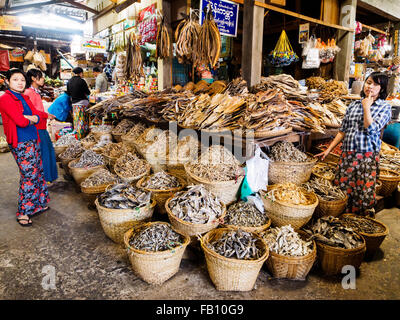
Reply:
x=283, y=54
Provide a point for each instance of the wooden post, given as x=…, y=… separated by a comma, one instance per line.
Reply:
x=345, y=40
x=165, y=65
x=252, y=45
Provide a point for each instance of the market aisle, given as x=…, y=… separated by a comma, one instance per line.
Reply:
x=90, y=266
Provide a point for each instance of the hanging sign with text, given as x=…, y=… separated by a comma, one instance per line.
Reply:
x=225, y=13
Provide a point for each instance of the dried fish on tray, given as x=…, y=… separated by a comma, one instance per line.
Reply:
x=65, y=140
x=129, y=165
x=290, y=193
x=196, y=205
x=284, y=151
x=161, y=181
x=287, y=242
x=124, y=196
x=324, y=189
x=73, y=151
x=89, y=159
x=157, y=237
x=245, y=214
x=237, y=244
x=333, y=232
x=360, y=224
x=100, y=177
x=123, y=127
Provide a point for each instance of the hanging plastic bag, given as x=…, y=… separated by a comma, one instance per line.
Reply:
x=312, y=61
x=283, y=54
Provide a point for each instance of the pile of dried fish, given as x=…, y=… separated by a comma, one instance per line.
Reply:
x=124, y=196
x=90, y=138
x=333, y=89
x=237, y=87
x=237, y=244
x=325, y=170
x=102, y=128
x=196, y=205
x=73, y=151
x=324, y=189
x=187, y=36
x=102, y=143
x=390, y=161
x=159, y=144
x=337, y=107
x=133, y=65
x=114, y=104
x=315, y=83
x=284, y=151
x=89, y=159
x=287, y=242
x=123, y=127
x=333, y=232
x=291, y=194
x=163, y=42
x=360, y=224
x=327, y=117
x=115, y=150
x=156, y=237
x=209, y=46
x=186, y=148
x=216, y=164
x=65, y=140
x=161, y=181
x=177, y=106
x=245, y=214
x=304, y=118
x=129, y=165
x=100, y=177
x=136, y=131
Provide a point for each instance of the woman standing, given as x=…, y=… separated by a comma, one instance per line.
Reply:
x=35, y=80
x=19, y=119
x=361, y=134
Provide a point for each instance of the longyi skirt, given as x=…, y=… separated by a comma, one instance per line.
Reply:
x=48, y=156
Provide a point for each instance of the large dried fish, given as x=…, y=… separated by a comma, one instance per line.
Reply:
x=133, y=65
x=163, y=42
x=284, y=151
x=360, y=224
x=124, y=196
x=186, y=36
x=324, y=189
x=161, y=181
x=209, y=46
x=245, y=214
x=89, y=159
x=100, y=177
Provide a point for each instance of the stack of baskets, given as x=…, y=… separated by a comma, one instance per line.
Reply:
x=296, y=172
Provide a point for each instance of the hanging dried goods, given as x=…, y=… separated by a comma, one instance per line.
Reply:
x=163, y=41
x=209, y=46
x=133, y=66
x=187, y=37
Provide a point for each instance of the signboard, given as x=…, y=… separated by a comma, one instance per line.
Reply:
x=304, y=31
x=10, y=23
x=94, y=45
x=225, y=13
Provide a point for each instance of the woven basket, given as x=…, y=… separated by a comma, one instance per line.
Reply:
x=154, y=267
x=192, y=229
x=389, y=183
x=249, y=229
x=161, y=196
x=87, y=144
x=110, y=162
x=296, y=172
x=332, y=259
x=226, y=191
x=378, y=186
x=134, y=179
x=177, y=168
x=128, y=141
x=330, y=164
x=65, y=163
x=80, y=174
x=115, y=222
x=330, y=208
x=293, y=268
x=97, y=189
x=282, y=214
x=58, y=150
x=117, y=137
x=397, y=196
x=229, y=274
x=4, y=148
x=372, y=240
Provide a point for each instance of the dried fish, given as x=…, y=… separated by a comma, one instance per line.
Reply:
x=102, y=143
x=237, y=244
x=163, y=41
x=325, y=170
x=116, y=150
x=157, y=237
x=89, y=159
x=209, y=45
x=102, y=128
x=237, y=87
x=74, y=150
x=333, y=89
x=129, y=165
x=186, y=36
x=285, y=241
x=360, y=224
x=124, y=196
x=315, y=83
x=161, y=181
x=100, y=177
x=290, y=193
x=136, y=131
x=284, y=151
x=196, y=205
x=123, y=127
x=90, y=138
x=245, y=214
x=186, y=148
x=324, y=189
x=65, y=140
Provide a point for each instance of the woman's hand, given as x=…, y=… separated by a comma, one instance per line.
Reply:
x=33, y=119
x=51, y=116
x=368, y=101
x=323, y=155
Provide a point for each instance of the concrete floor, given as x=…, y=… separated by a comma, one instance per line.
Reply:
x=88, y=265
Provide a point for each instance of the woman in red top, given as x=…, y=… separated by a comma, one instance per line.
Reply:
x=35, y=80
x=19, y=119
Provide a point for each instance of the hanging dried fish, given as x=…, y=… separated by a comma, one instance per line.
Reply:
x=187, y=35
x=124, y=196
x=133, y=67
x=245, y=214
x=209, y=47
x=360, y=224
x=100, y=177
x=89, y=159
x=291, y=194
x=161, y=181
x=163, y=41
x=324, y=189
x=284, y=151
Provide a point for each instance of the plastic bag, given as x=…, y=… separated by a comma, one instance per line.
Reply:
x=312, y=60
x=256, y=200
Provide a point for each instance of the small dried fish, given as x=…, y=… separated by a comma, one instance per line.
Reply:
x=74, y=150
x=129, y=165
x=115, y=150
x=100, y=177
x=186, y=148
x=136, y=130
x=90, y=138
x=65, y=140
x=103, y=141
x=245, y=214
x=325, y=170
x=237, y=244
x=284, y=151
x=291, y=194
x=157, y=237
x=287, y=242
x=123, y=127
x=196, y=205
x=360, y=224
x=324, y=189
x=161, y=181
x=124, y=196
x=102, y=128
x=89, y=159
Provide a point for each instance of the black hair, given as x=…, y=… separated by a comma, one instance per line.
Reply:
x=77, y=70
x=96, y=69
x=32, y=73
x=14, y=71
x=381, y=79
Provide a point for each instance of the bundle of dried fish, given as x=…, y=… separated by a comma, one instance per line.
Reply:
x=100, y=177
x=324, y=170
x=324, y=189
x=209, y=47
x=156, y=237
x=133, y=65
x=114, y=104
x=360, y=224
x=124, y=196
x=73, y=151
x=287, y=242
x=284, y=151
x=89, y=159
x=102, y=128
x=333, y=232
x=237, y=87
x=196, y=205
x=333, y=89
x=123, y=127
x=187, y=36
x=129, y=165
x=315, y=83
x=161, y=181
x=65, y=140
x=216, y=87
x=216, y=164
x=245, y=214
x=163, y=42
x=237, y=244
x=291, y=194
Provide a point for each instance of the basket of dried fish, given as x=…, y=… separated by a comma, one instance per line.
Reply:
x=332, y=200
x=113, y=151
x=288, y=164
x=88, y=163
x=234, y=258
x=102, y=130
x=89, y=141
x=289, y=204
x=246, y=216
x=337, y=245
x=121, y=129
x=133, y=134
x=155, y=251
x=372, y=230
x=219, y=171
x=130, y=168
x=162, y=186
x=325, y=170
x=63, y=143
x=73, y=152
x=121, y=207
x=390, y=179
x=291, y=256
x=195, y=211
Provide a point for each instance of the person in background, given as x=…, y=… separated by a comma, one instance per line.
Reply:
x=79, y=92
x=361, y=134
x=205, y=73
x=101, y=80
x=19, y=119
x=35, y=80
